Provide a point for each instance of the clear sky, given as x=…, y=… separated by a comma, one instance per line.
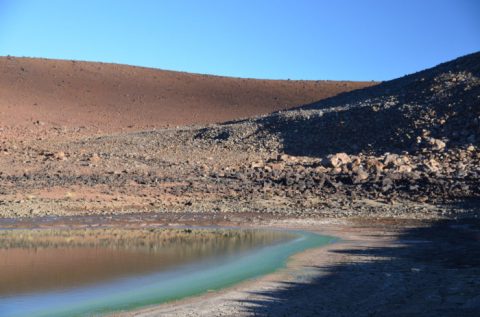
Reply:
x=297, y=39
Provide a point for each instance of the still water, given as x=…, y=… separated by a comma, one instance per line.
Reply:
x=92, y=273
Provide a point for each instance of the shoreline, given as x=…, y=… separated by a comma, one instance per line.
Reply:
x=292, y=272
x=383, y=266
x=394, y=267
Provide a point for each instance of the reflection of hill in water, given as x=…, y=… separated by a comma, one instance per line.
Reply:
x=51, y=259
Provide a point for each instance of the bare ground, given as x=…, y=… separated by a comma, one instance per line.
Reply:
x=97, y=98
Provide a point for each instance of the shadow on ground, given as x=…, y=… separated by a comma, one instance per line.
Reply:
x=387, y=117
x=432, y=270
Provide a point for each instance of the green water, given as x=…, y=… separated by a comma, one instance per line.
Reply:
x=168, y=283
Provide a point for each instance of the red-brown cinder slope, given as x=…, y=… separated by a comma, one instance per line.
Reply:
x=113, y=97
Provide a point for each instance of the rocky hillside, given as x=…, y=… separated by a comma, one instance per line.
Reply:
x=435, y=107
x=414, y=138
x=401, y=149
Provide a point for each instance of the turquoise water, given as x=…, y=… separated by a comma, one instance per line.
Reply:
x=187, y=280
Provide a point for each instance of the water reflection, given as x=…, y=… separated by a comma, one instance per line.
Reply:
x=45, y=260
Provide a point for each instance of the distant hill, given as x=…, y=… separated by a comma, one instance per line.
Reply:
x=112, y=97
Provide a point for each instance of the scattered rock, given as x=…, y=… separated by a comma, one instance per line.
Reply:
x=360, y=176
x=60, y=155
x=338, y=160
x=257, y=165
x=433, y=165
x=95, y=158
x=437, y=144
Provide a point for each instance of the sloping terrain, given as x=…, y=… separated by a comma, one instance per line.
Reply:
x=415, y=138
x=111, y=97
x=442, y=103
x=401, y=148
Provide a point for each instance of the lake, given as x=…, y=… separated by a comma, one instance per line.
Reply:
x=96, y=271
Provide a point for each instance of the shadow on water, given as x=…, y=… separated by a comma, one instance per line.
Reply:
x=433, y=270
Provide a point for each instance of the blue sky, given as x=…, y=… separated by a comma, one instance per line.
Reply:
x=297, y=39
